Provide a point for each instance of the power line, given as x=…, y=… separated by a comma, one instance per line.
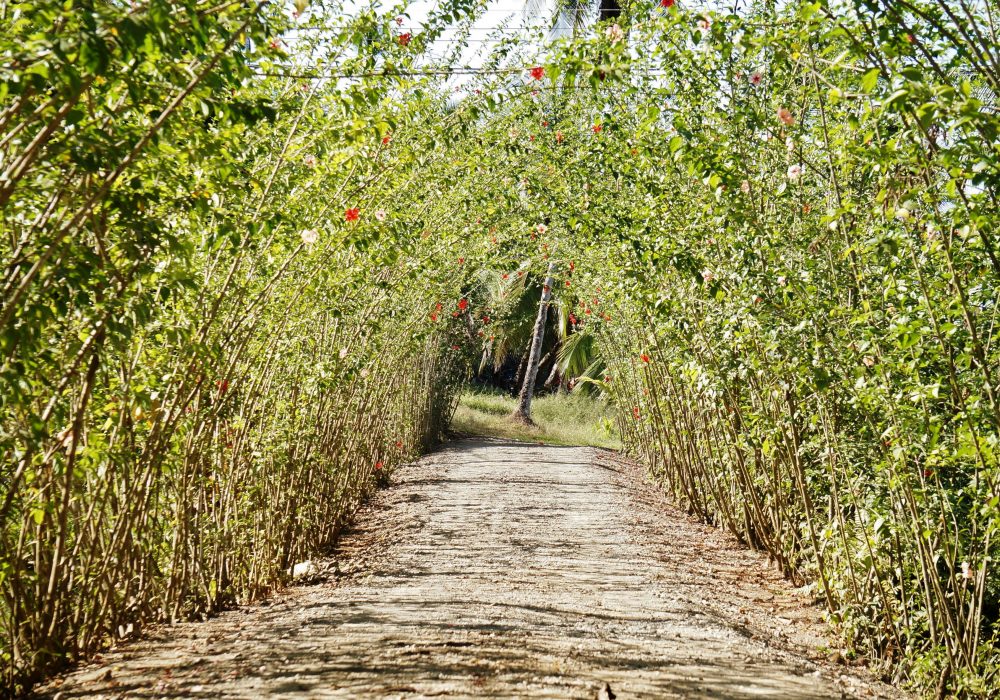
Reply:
x=392, y=73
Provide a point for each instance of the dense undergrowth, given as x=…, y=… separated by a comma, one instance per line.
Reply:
x=244, y=270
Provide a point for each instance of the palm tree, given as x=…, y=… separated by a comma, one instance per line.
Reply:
x=572, y=16
x=523, y=411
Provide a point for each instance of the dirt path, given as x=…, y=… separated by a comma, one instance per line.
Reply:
x=504, y=569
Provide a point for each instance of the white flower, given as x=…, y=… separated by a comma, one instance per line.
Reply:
x=707, y=275
x=745, y=187
x=310, y=160
x=380, y=215
x=704, y=23
x=781, y=281
x=310, y=236
x=790, y=144
x=966, y=570
x=794, y=172
x=614, y=33
x=541, y=228
x=343, y=353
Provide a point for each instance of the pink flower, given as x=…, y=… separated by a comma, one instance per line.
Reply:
x=794, y=172
x=541, y=228
x=704, y=24
x=380, y=215
x=756, y=78
x=781, y=280
x=785, y=116
x=707, y=275
x=399, y=21
x=868, y=361
x=745, y=187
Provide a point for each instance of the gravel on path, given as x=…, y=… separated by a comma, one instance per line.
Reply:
x=492, y=568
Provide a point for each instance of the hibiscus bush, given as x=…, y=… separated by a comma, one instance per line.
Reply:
x=250, y=251
x=215, y=325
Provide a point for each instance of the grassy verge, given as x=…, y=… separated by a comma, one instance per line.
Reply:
x=562, y=419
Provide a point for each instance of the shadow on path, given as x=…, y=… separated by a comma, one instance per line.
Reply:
x=504, y=569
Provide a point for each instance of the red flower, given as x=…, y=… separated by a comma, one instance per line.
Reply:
x=461, y=261
x=559, y=137
x=352, y=214
x=454, y=314
x=404, y=39
x=572, y=265
x=438, y=307
x=486, y=319
x=531, y=138
x=544, y=123
x=597, y=128
x=456, y=347
x=537, y=72
x=606, y=317
x=635, y=412
x=223, y=385
x=644, y=357
x=666, y=3
x=378, y=466
x=434, y=317
x=504, y=276
x=928, y=473
x=399, y=444
x=386, y=139
x=463, y=304
x=567, y=283
x=587, y=311
x=546, y=288
x=572, y=319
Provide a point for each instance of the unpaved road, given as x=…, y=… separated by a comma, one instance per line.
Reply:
x=502, y=569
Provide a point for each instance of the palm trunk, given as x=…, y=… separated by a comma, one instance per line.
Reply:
x=523, y=412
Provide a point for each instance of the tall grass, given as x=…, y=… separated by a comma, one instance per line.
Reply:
x=561, y=419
